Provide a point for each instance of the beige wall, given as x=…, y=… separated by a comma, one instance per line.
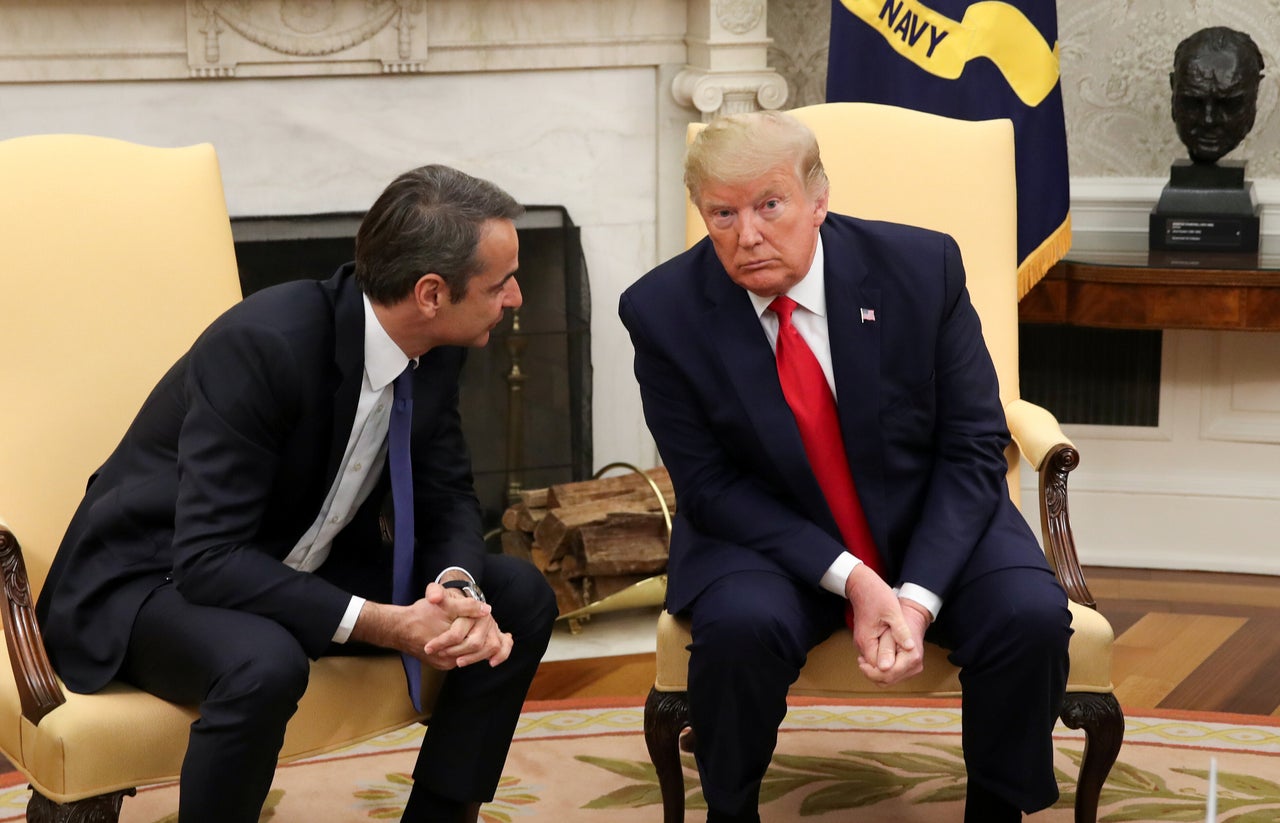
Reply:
x=1116, y=56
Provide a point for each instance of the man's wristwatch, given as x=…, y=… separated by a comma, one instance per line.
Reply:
x=467, y=587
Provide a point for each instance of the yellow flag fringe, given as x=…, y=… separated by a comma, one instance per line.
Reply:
x=1038, y=263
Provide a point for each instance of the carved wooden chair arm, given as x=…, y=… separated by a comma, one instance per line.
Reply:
x=38, y=687
x=1042, y=441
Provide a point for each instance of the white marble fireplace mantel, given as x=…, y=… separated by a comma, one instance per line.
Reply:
x=314, y=105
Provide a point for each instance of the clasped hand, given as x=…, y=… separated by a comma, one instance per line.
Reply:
x=888, y=631
x=461, y=630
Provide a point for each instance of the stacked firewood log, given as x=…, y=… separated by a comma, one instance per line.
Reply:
x=592, y=538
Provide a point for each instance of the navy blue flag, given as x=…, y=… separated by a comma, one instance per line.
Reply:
x=972, y=60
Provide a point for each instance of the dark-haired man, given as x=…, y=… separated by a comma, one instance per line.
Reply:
x=234, y=532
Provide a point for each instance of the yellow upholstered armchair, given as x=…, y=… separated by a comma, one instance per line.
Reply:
x=955, y=176
x=115, y=257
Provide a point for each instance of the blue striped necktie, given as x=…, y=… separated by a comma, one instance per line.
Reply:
x=402, y=499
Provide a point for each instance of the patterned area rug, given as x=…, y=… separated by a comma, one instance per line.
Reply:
x=900, y=761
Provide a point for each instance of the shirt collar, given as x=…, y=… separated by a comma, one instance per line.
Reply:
x=809, y=292
x=383, y=359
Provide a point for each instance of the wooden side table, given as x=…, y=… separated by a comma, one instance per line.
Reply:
x=1110, y=280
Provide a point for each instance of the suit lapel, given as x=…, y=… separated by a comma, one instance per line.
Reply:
x=749, y=362
x=855, y=358
x=348, y=334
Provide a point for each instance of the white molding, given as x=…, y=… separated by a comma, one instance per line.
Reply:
x=1163, y=558
x=226, y=40
x=1221, y=415
x=1105, y=205
x=1146, y=530
x=1191, y=483
x=1162, y=432
x=1221, y=423
x=728, y=70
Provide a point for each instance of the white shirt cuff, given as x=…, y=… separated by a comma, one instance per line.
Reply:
x=348, y=622
x=922, y=596
x=835, y=577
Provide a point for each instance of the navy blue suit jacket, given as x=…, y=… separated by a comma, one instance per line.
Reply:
x=919, y=408
x=226, y=466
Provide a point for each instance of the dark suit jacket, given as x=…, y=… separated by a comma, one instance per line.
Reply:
x=226, y=466
x=918, y=403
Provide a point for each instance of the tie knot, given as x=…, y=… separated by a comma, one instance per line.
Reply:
x=783, y=306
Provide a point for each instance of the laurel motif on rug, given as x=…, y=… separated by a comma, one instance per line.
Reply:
x=901, y=760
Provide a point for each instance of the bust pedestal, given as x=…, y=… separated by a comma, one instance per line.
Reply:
x=1205, y=206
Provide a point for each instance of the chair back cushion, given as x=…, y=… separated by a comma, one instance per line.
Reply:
x=953, y=176
x=116, y=257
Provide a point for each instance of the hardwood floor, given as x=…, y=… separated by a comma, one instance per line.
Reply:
x=1184, y=640
x=1193, y=640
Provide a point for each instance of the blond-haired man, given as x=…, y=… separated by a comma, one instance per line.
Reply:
x=857, y=476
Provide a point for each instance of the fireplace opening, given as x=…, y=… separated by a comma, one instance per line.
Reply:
x=525, y=398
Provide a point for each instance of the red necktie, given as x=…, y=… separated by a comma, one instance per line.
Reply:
x=809, y=395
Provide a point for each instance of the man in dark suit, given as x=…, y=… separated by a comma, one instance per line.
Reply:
x=767, y=555
x=234, y=532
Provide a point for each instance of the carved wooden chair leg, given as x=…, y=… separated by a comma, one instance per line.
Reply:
x=103, y=808
x=1103, y=723
x=666, y=714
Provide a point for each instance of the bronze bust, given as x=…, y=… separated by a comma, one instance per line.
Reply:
x=1215, y=78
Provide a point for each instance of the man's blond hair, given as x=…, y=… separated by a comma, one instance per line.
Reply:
x=738, y=148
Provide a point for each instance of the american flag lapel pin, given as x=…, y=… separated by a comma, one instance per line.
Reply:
x=868, y=315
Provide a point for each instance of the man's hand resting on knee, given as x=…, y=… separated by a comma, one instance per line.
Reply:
x=470, y=638
x=445, y=629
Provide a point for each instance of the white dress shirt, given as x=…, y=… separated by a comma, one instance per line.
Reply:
x=810, y=320
x=362, y=461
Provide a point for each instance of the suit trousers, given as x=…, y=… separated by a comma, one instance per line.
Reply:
x=246, y=673
x=1008, y=632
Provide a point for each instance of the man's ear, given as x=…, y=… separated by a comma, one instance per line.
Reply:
x=430, y=293
x=820, y=207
